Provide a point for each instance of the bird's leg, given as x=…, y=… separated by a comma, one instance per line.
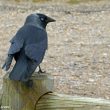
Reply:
x=40, y=70
x=7, y=63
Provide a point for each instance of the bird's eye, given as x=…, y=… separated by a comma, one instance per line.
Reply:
x=42, y=19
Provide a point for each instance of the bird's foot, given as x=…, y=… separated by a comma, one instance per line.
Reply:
x=40, y=71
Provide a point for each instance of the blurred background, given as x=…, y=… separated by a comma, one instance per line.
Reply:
x=79, y=42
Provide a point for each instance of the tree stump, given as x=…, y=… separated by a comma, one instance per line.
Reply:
x=16, y=96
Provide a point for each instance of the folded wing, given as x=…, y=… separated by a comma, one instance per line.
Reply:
x=36, y=52
x=17, y=42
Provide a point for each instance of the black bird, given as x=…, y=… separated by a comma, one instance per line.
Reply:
x=28, y=47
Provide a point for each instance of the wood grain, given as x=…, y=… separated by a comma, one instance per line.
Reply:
x=17, y=96
x=54, y=101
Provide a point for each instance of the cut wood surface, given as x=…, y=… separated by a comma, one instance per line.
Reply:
x=16, y=96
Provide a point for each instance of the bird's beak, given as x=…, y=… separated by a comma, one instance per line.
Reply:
x=50, y=20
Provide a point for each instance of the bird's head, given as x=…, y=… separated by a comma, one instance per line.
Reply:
x=45, y=19
x=39, y=19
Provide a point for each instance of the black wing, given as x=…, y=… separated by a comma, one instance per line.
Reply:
x=17, y=42
x=16, y=45
x=36, y=50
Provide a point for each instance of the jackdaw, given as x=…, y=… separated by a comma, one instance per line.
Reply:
x=28, y=47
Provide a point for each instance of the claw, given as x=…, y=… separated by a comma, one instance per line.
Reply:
x=40, y=70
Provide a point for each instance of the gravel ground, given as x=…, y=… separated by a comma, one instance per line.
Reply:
x=79, y=44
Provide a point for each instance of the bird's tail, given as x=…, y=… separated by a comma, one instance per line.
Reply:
x=7, y=63
x=20, y=69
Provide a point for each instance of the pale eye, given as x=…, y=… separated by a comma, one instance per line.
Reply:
x=42, y=19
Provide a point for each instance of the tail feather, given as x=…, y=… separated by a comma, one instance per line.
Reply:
x=4, y=66
x=7, y=63
x=23, y=68
x=19, y=70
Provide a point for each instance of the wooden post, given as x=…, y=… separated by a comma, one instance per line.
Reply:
x=54, y=101
x=16, y=96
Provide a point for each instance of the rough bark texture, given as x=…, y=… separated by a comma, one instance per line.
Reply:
x=16, y=96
